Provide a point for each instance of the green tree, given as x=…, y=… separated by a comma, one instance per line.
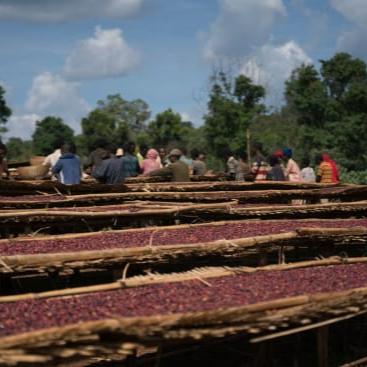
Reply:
x=306, y=96
x=99, y=125
x=19, y=150
x=231, y=108
x=166, y=128
x=340, y=72
x=48, y=132
x=5, y=111
x=127, y=114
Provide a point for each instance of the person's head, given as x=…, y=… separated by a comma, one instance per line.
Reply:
x=175, y=155
x=58, y=143
x=201, y=157
x=3, y=151
x=152, y=154
x=274, y=160
x=257, y=147
x=119, y=152
x=143, y=149
x=318, y=159
x=101, y=143
x=130, y=147
x=287, y=153
x=278, y=153
x=194, y=154
x=162, y=153
x=68, y=148
x=243, y=156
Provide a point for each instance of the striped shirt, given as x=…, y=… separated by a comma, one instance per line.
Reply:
x=325, y=172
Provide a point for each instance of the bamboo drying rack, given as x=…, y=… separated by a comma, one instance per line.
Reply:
x=260, y=321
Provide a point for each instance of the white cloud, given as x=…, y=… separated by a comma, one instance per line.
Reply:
x=22, y=125
x=353, y=10
x=241, y=26
x=272, y=66
x=64, y=10
x=50, y=94
x=105, y=55
x=353, y=41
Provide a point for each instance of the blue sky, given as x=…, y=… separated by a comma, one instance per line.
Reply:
x=60, y=57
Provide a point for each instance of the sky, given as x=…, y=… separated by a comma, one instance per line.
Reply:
x=60, y=57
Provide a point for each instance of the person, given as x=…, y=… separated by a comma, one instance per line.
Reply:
x=130, y=164
x=142, y=153
x=259, y=167
x=178, y=171
x=198, y=163
x=232, y=164
x=186, y=159
x=326, y=173
x=3, y=163
x=68, y=168
x=150, y=163
x=162, y=159
x=292, y=171
x=276, y=172
x=307, y=172
x=110, y=171
x=97, y=156
x=243, y=171
x=52, y=158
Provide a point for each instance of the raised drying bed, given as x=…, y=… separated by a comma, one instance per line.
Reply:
x=185, y=246
x=246, y=197
x=208, y=303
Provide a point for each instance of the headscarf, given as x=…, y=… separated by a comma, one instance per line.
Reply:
x=335, y=171
x=152, y=154
x=287, y=152
x=278, y=153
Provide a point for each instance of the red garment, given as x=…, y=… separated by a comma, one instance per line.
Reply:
x=326, y=158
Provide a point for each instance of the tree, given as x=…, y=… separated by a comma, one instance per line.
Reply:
x=127, y=114
x=167, y=127
x=5, y=111
x=19, y=150
x=232, y=106
x=48, y=132
x=99, y=125
x=340, y=72
x=306, y=96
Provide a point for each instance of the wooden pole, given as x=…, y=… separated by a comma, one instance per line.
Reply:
x=248, y=145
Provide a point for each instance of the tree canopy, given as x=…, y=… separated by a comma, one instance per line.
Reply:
x=48, y=133
x=5, y=111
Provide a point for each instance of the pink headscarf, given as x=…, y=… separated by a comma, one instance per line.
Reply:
x=152, y=154
x=326, y=158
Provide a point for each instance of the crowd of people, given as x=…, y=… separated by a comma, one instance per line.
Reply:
x=112, y=166
x=281, y=166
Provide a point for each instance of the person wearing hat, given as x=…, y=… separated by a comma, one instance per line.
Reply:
x=178, y=171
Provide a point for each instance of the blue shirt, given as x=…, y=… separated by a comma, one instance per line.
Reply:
x=68, y=169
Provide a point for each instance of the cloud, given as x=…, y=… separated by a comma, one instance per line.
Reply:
x=22, y=125
x=66, y=10
x=105, y=55
x=50, y=94
x=272, y=65
x=353, y=41
x=353, y=10
x=241, y=26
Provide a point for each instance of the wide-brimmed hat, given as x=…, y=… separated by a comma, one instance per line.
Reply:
x=175, y=152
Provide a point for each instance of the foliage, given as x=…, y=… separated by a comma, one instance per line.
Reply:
x=231, y=107
x=19, y=150
x=167, y=128
x=5, y=111
x=48, y=132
